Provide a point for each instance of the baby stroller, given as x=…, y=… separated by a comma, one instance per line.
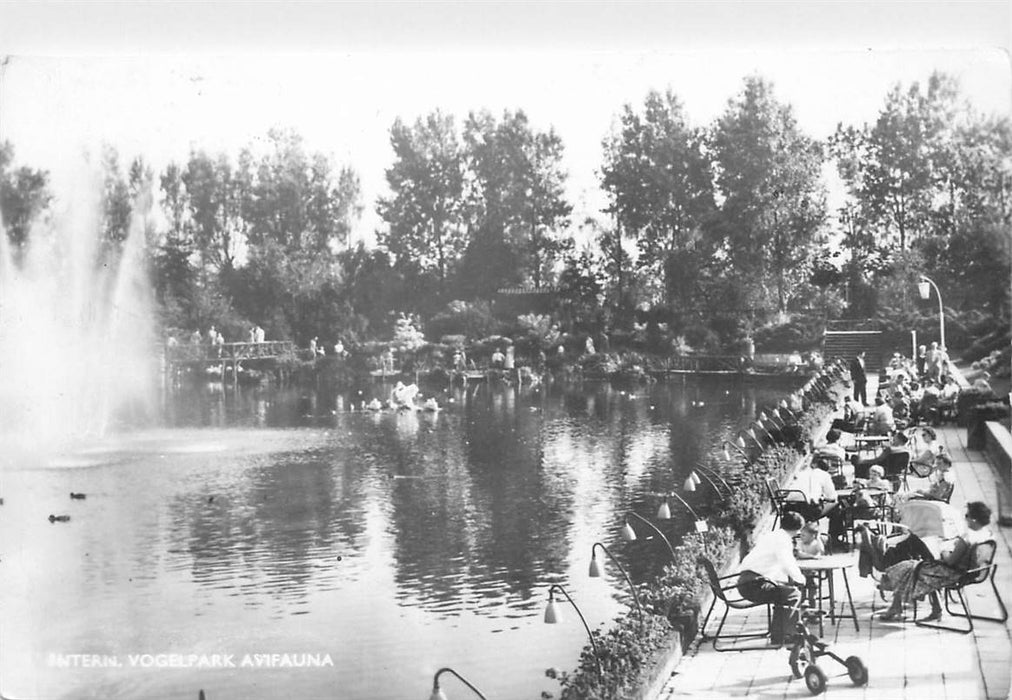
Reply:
x=806, y=648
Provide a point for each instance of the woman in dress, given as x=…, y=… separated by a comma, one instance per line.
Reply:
x=911, y=580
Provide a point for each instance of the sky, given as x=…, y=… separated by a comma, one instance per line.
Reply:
x=150, y=84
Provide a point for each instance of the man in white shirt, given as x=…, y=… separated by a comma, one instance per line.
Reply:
x=819, y=498
x=770, y=574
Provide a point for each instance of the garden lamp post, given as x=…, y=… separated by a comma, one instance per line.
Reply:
x=438, y=694
x=553, y=615
x=597, y=570
x=629, y=535
x=924, y=287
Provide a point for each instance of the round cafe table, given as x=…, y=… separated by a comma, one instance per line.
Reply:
x=822, y=570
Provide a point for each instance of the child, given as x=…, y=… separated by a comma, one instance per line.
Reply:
x=877, y=480
x=809, y=544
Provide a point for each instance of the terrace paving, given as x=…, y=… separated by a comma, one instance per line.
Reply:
x=904, y=661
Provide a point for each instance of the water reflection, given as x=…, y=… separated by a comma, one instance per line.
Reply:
x=396, y=541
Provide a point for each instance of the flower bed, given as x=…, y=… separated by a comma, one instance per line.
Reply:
x=632, y=653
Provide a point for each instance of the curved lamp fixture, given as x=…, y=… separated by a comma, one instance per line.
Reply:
x=711, y=477
x=773, y=418
x=552, y=616
x=924, y=287
x=760, y=426
x=597, y=571
x=438, y=694
x=751, y=434
x=628, y=534
x=784, y=408
x=740, y=450
x=664, y=511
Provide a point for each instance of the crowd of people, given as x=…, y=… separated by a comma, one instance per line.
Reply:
x=839, y=487
x=910, y=392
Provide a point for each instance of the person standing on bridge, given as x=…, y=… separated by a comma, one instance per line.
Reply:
x=260, y=334
x=860, y=379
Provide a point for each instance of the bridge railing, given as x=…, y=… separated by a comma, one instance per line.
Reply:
x=228, y=352
x=705, y=363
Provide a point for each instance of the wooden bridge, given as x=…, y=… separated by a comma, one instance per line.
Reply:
x=226, y=355
x=204, y=353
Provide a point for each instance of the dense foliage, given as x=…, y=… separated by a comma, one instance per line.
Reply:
x=712, y=233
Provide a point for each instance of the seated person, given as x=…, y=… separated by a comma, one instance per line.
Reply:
x=863, y=505
x=941, y=481
x=898, y=447
x=882, y=420
x=813, y=496
x=911, y=580
x=877, y=480
x=853, y=415
x=809, y=543
x=928, y=409
x=770, y=574
x=831, y=447
x=982, y=382
x=831, y=456
x=925, y=446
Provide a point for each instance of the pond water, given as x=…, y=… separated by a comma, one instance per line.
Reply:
x=363, y=550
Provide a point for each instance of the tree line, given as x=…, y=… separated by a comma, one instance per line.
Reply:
x=711, y=232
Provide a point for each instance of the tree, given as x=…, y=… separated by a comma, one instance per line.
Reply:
x=659, y=180
x=425, y=231
x=896, y=168
x=24, y=194
x=549, y=210
x=296, y=205
x=516, y=200
x=581, y=290
x=768, y=173
x=210, y=198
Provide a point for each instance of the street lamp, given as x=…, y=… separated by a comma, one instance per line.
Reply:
x=924, y=287
x=597, y=571
x=553, y=615
x=438, y=694
x=629, y=535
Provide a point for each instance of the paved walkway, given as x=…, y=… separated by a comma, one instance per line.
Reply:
x=904, y=661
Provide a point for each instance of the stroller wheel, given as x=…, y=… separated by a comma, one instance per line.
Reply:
x=815, y=680
x=801, y=657
x=857, y=671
